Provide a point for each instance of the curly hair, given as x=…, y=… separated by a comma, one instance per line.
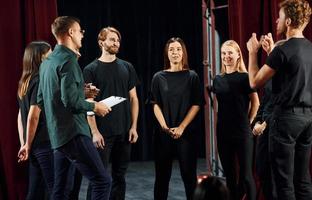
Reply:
x=299, y=11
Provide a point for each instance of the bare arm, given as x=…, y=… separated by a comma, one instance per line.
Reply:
x=20, y=128
x=257, y=77
x=134, y=106
x=160, y=117
x=32, y=124
x=178, y=131
x=97, y=137
x=254, y=105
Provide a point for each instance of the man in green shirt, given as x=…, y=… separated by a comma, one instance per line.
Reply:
x=61, y=94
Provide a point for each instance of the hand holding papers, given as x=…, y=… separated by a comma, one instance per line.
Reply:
x=110, y=102
x=113, y=100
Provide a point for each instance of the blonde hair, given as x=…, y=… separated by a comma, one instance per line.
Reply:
x=240, y=65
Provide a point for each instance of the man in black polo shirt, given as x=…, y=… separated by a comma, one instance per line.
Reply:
x=290, y=65
x=61, y=94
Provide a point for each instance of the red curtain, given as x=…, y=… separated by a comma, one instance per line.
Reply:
x=258, y=16
x=21, y=22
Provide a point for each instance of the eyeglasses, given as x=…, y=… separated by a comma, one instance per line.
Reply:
x=82, y=31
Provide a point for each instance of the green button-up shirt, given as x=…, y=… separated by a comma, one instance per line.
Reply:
x=61, y=94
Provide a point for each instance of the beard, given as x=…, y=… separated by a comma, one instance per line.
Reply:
x=112, y=49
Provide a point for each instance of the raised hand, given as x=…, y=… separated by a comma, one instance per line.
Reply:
x=253, y=44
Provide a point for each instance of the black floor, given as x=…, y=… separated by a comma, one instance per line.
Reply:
x=140, y=181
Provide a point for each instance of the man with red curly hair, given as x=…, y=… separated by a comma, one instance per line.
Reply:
x=290, y=65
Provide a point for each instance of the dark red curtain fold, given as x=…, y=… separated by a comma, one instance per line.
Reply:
x=258, y=16
x=21, y=22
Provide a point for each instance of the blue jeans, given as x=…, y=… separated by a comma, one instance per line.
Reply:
x=40, y=171
x=83, y=155
x=290, y=150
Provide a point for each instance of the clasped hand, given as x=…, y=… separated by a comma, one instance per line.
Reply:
x=175, y=132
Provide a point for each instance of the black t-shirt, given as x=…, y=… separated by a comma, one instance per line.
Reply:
x=29, y=99
x=232, y=91
x=116, y=78
x=175, y=93
x=292, y=82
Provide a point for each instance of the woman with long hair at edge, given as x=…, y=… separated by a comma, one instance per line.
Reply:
x=33, y=133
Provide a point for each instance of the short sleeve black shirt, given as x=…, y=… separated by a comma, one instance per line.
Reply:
x=24, y=104
x=116, y=78
x=292, y=82
x=232, y=92
x=175, y=93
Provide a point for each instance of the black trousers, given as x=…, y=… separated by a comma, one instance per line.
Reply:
x=236, y=153
x=166, y=149
x=290, y=150
x=263, y=166
x=117, y=150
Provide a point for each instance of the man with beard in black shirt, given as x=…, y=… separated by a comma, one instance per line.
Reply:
x=113, y=134
x=290, y=65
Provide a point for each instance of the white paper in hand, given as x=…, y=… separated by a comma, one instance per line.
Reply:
x=110, y=102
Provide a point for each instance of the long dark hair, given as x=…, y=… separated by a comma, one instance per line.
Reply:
x=184, y=58
x=31, y=62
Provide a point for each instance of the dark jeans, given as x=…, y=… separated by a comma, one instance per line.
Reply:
x=166, y=148
x=290, y=149
x=73, y=186
x=40, y=171
x=81, y=152
x=234, y=152
x=117, y=150
x=263, y=166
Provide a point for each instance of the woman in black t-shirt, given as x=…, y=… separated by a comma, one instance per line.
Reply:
x=33, y=133
x=237, y=107
x=176, y=98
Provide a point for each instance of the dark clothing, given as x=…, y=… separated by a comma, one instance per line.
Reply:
x=290, y=146
x=232, y=92
x=267, y=104
x=116, y=78
x=118, y=149
x=292, y=81
x=291, y=122
x=263, y=161
x=40, y=168
x=232, y=151
x=80, y=151
x=24, y=104
x=61, y=92
x=175, y=93
x=41, y=156
x=62, y=95
x=263, y=166
x=166, y=149
x=234, y=137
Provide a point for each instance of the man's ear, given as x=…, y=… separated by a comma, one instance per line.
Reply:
x=288, y=21
x=70, y=32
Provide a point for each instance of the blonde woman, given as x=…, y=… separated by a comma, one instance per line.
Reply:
x=237, y=107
